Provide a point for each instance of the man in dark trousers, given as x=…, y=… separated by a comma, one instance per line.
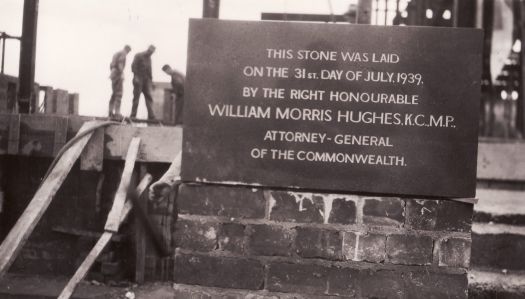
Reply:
x=142, y=81
x=177, y=86
x=117, y=79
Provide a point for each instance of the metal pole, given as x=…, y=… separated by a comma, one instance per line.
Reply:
x=210, y=8
x=26, y=71
x=2, y=39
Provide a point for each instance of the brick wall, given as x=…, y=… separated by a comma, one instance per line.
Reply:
x=317, y=245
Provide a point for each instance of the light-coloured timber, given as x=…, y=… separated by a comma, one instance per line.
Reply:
x=113, y=222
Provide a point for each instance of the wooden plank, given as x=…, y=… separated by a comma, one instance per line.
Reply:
x=38, y=205
x=159, y=144
x=86, y=264
x=62, y=102
x=13, y=141
x=140, y=236
x=140, y=244
x=51, y=101
x=471, y=201
x=73, y=103
x=113, y=222
x=84, y=233
x=92, y=157
x=48, y=99
x=101, y=244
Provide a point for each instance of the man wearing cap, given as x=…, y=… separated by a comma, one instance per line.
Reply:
x=118, y=62
x=142, y=81
x=177, y=87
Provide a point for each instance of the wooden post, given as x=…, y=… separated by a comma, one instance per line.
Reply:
x=140, y=237
x=73, y=103
x=62, y=102
x=38, y=205
x=101, y=244
x=140, y=245
x=49, y=100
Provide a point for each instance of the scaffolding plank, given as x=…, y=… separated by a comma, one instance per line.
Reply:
x=113, y=222
x=38, y=205
x=37, y=137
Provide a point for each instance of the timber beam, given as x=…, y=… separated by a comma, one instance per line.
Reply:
x=43, y=135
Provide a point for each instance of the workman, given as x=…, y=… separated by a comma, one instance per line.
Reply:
x=118, y=62
x=177, y=87
x=142, y=81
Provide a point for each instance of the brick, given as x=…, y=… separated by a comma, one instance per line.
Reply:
x=498, y=251
x=210, y=200
x=236, y=273
x=445, y=215
x=343, y=211
x=349, y=242
x=371, y=247
x=195, y=235
x=343, y=281
x=232, y=238
x=296, y=207
x=421, y=214
x=454, y=252
x=424, y=284
x=270, y=240
x=454, y=216
x=409, y=250
x=318, y=243
x=296, y=278
x=381, y=284
x=386, y=211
